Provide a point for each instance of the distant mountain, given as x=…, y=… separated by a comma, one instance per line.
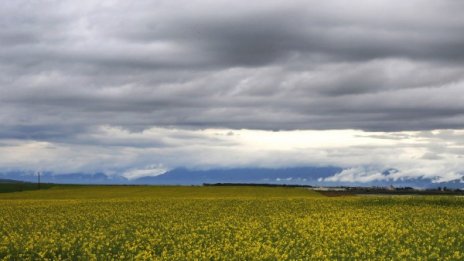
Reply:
x=10, y=181
x=182, y=176
x=68, y=178
x=83, y=178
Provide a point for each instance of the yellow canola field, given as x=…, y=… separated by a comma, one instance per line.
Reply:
x=226, y=223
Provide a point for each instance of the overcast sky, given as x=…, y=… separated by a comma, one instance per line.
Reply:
x=128, y=87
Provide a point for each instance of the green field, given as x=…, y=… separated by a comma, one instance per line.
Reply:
x=226, y=223
x=21, y=186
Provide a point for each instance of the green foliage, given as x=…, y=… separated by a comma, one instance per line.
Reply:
x=21, y=186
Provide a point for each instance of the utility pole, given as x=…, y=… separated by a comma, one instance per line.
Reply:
x=38, y=179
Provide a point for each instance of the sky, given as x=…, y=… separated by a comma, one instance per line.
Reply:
x=136, y=88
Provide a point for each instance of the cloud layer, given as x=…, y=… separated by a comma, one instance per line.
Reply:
x=437, y=155
x=71, y=74
x=372, y=65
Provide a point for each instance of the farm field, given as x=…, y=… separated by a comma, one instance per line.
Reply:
x=226, y=223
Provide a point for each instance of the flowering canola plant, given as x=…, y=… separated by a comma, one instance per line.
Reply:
x=226, y=223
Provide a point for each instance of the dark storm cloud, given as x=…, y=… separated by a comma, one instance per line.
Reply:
x=67, y=68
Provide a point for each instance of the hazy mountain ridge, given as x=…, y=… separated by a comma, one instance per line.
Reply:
x=316, y=176
x=9, y=181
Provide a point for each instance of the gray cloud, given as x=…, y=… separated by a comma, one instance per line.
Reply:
x=67, y=70
x=364, y=155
